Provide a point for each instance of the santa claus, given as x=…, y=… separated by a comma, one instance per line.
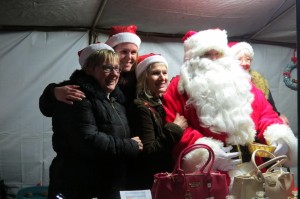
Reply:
x=223, y=108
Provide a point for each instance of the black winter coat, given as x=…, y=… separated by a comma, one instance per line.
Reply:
x=127, y=84
x=147, y=119
x=92, y=142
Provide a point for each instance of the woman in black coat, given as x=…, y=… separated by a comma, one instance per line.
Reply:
x=92, y=137
x=147, y=120
x=126, y=43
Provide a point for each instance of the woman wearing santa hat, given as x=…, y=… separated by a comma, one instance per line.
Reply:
x=223, y=108
x=92, y=138
x=147, y=120
x=243, y=52
x=126, y=43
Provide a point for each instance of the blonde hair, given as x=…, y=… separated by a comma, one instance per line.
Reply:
x=142, y=86
x=98, y=58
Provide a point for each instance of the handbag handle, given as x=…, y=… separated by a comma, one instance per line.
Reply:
x=209, y=162
x=275, y=161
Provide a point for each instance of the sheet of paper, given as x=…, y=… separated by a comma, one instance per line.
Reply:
x=137, y=194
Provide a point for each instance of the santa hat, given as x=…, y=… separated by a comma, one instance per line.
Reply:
x=235, y=47
x=87, y=51
x=145, y=60
x=123, y=34
x=188, y=34
x=199, y=43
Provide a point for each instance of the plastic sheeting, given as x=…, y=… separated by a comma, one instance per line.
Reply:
x=31, y=60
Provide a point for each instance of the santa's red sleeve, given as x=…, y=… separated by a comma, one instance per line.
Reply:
x=174, y=102
x=270, y=128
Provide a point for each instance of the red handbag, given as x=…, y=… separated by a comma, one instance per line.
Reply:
x=201, y=184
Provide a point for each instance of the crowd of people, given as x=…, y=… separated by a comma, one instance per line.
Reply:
x=117, y=121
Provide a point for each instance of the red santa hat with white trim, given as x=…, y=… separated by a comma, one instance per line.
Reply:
x=145, y=60
x=197, y=44
x=87, y=51
x=123, y=34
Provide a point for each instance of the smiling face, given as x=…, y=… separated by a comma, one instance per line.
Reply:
x=245, y=59
x=104, y=67
x=128, y=54
x=108, y=75
x=157, y=79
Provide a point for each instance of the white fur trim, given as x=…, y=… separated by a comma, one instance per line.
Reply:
x=235, y=49
x=124, y=37
x=142, y=66
x=284, y=133
x=87, y=51
x=196, y=158
x=203, y=41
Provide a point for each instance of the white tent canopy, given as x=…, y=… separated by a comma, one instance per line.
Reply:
x=265, y=21
x=39, y=41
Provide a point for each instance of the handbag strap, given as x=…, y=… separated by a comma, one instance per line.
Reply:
x=275, y=161
x=209, y=162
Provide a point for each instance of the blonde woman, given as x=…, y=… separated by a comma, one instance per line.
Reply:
x=147, y=118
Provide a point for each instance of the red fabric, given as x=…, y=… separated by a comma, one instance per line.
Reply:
x=143, y=57
x=188, y=34
x=263, y=116
x=232, y=43
x=120, y=29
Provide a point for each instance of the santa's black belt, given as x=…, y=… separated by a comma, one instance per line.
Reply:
x=245, y=154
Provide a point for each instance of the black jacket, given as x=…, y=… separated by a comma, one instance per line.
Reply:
x=147, y=119
x=127, y=84
x=92, y=142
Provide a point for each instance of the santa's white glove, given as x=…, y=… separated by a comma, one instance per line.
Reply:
x=281, y=147
x=224, y=159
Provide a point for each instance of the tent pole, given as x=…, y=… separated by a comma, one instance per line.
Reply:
x=96, y=20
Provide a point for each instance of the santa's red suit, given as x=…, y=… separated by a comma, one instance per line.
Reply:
x=222, y=108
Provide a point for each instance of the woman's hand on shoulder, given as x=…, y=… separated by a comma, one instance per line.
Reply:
x=139, y=142
x=68, y=94
x=180, y=121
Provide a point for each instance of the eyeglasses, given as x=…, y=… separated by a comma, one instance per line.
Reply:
x=110, y=68
x=245, y=59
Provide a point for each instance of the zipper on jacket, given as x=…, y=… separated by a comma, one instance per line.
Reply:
x=112, y=101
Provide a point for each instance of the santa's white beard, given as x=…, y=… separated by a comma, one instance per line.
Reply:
x=220, y=92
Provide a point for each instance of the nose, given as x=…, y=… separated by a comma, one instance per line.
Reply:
x=115, y=72
x=214, y=57
x=244, y=62
x=129, y=55
x=163, y=77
